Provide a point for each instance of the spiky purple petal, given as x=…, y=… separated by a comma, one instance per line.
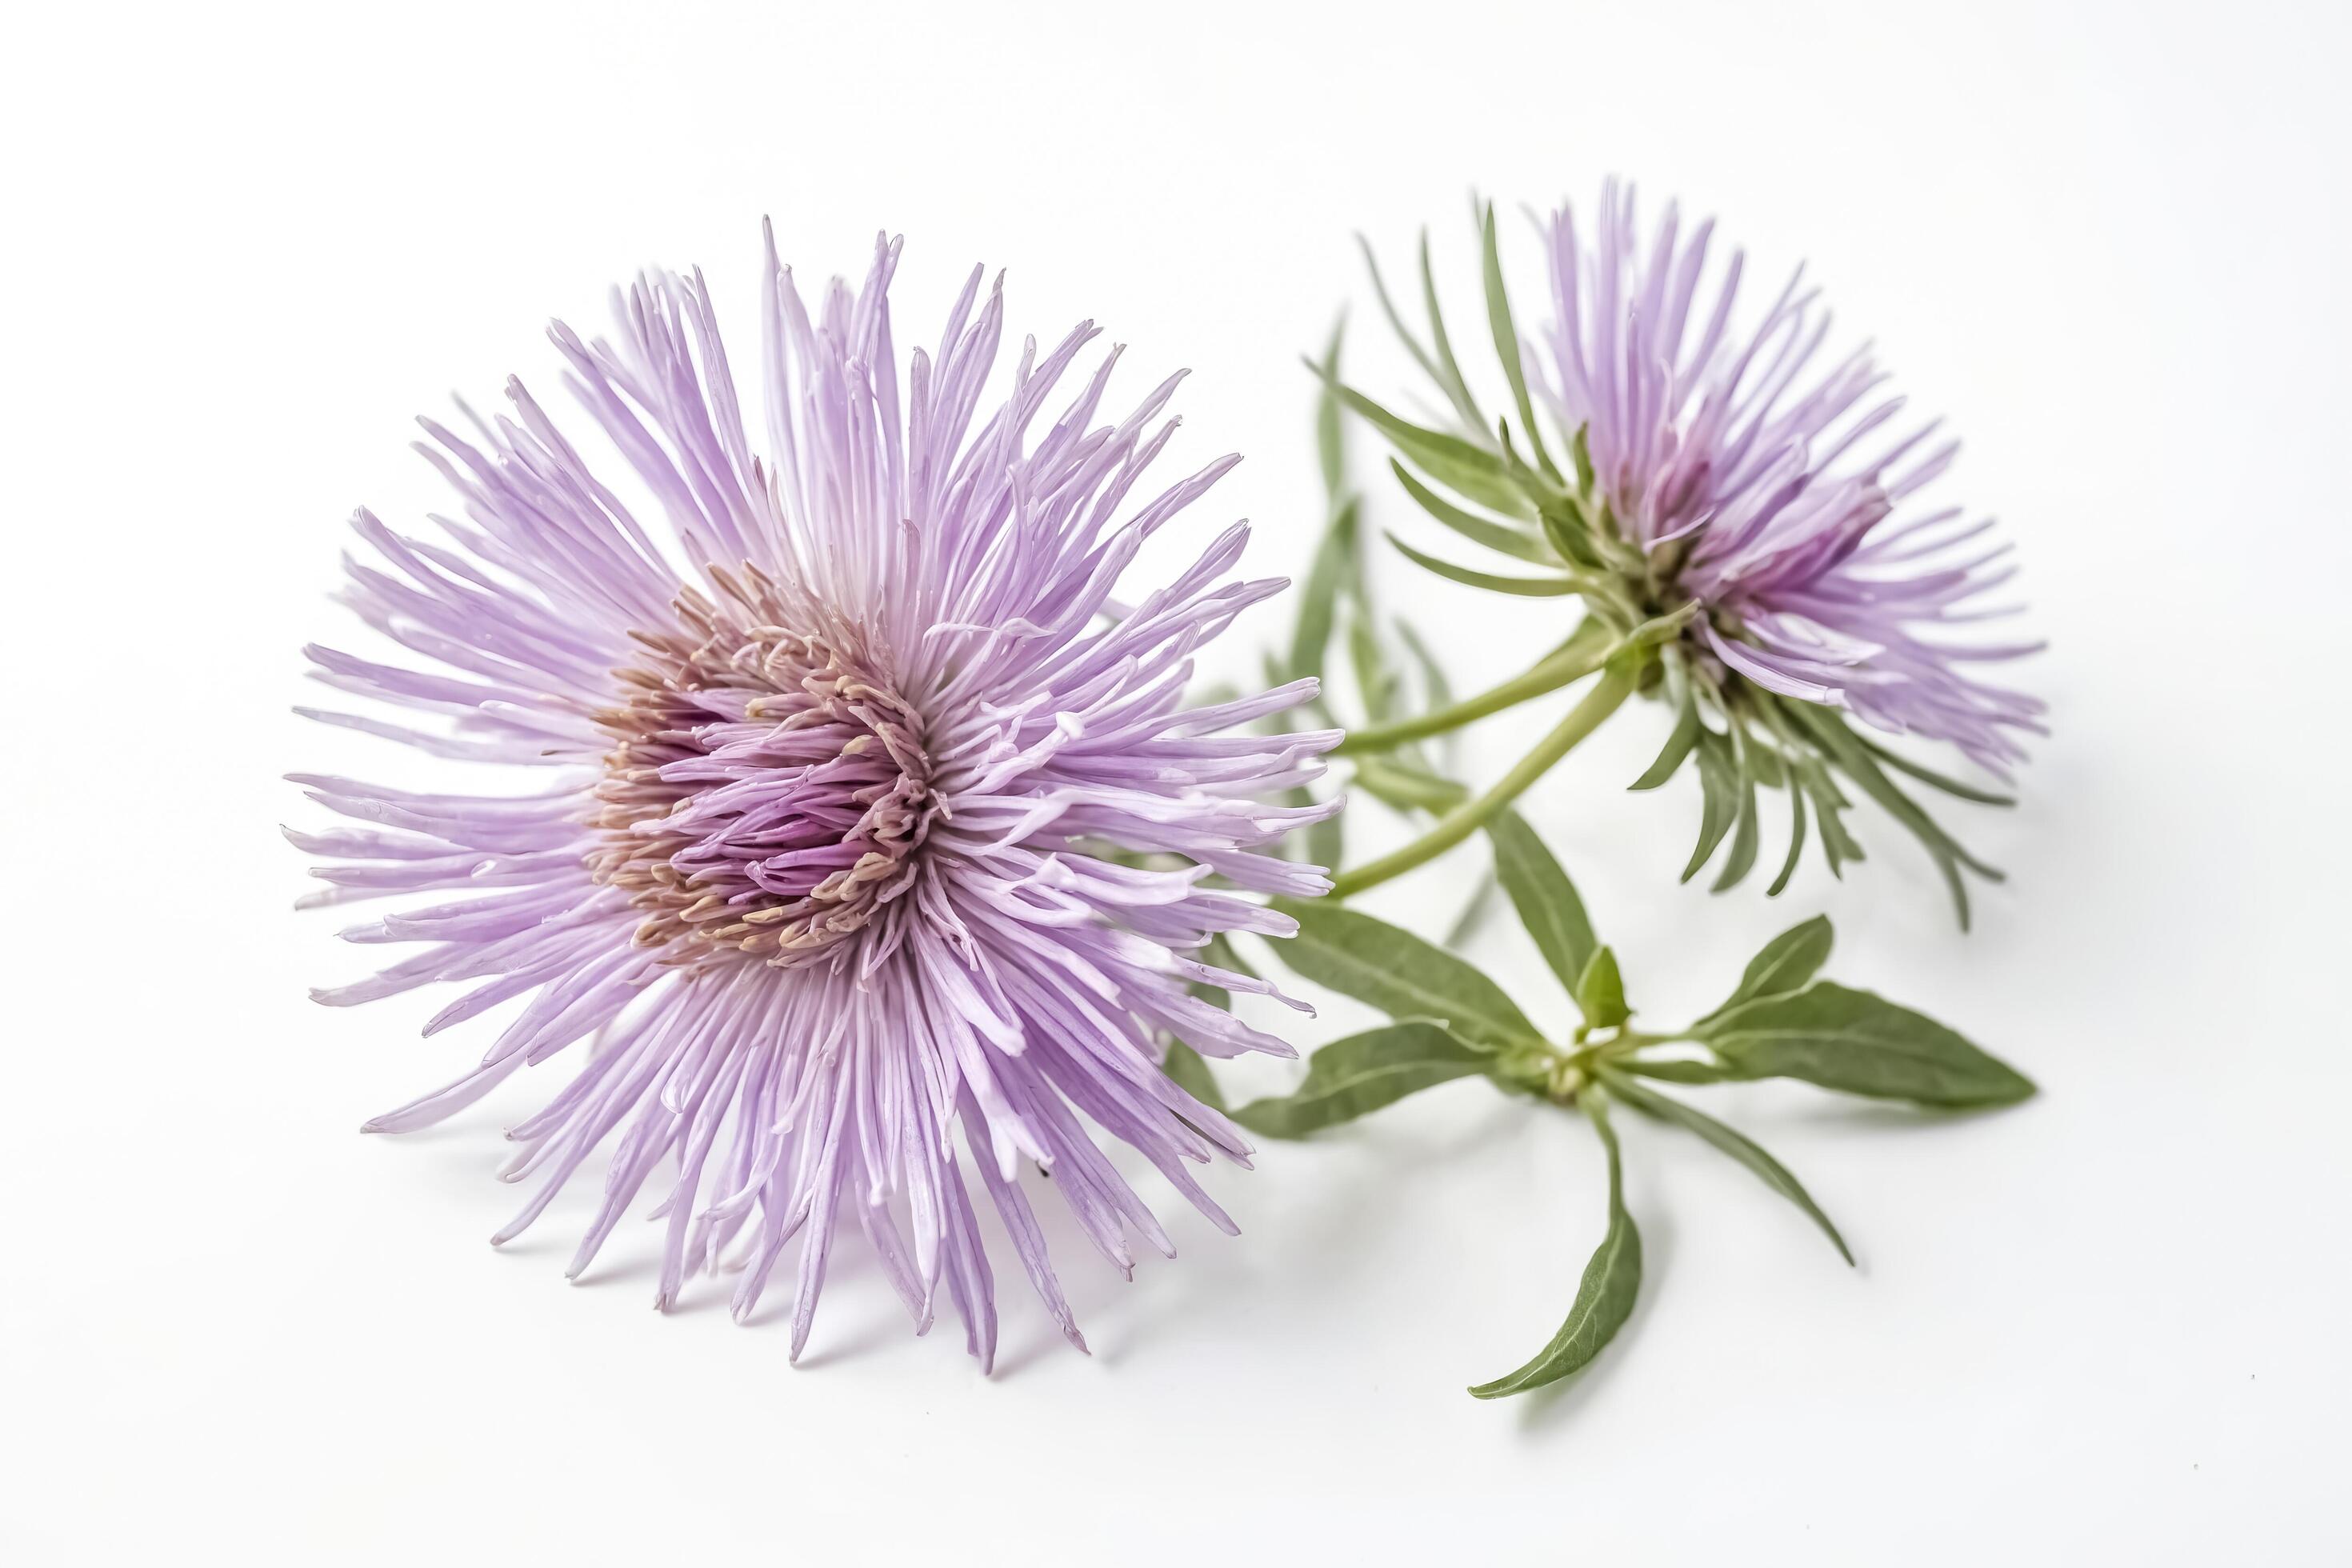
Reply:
x=881, y=834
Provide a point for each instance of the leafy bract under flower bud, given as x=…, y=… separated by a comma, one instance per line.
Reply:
x=1715, y=473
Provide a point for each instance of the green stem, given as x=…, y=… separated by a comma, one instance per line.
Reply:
x=1464, y=820
x=1565, y=668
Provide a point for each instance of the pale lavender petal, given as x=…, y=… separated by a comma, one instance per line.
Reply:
x=844, y=880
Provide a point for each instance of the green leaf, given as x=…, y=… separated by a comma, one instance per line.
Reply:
x=1376, y=683
x=1449, y=450
x=1732, y=1141
x=1326, y=841
x=1526, y=587
x=1858, y=1043
x=1407, y=788
x=1318, y=600
x=1675, y=1069
x=1452, y=461
x=1718, y=785
x=1545, y=898
x=1601, y=992
x=1796, y=839
x=1742, y=859
x=1399, y=973
x=1604, y=1297
x=1502, y=537
x=1506, y=342
x=1783, y=964
x=1838, y=842
x=1932, y=779
x=1474, y=913
x=1566, y=534
x=1191, y=1074
x=1579, y=452
x=1362, y=1073
x=1449, y=373
x=1436, y=695
x=1396, y=322
x=1436, y=691
x=1331, y=429
x=1684, y=734
x=1858, y=765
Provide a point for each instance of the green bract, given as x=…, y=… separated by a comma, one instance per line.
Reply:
x=1495, y=483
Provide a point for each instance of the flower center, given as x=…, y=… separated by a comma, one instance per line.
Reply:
x=767, y=790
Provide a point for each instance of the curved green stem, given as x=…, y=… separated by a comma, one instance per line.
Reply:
x=1465, y=819
x=1565, y=668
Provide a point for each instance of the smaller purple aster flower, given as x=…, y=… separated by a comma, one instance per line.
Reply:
x=882, y=848
x=1755, y=513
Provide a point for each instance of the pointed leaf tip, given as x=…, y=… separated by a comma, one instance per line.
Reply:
x=1398, y=972
x=1604, y=1296
x=1601, y=990
x=1783, y=964
x=1856, y=1042
x=1546, y=899
x=1362, y=1073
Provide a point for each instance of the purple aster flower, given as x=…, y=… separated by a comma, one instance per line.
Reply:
x=1726, y=497
x=1772, y=493
x=878, y=823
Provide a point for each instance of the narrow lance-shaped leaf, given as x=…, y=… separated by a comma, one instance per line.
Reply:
x=1330, y=428
x=1436, y=691
x=1506, y=342
x=1858, y=765
x=1453, y=462
x=1546, y=900
x=1601, y=992
x=1684, y=734
x=1796, y=838
x=1398, y=972
x=1839, y=845
x=1732, y=1141
x=1473, y=918
x=1450, y=373
x=1407, y=788
x=1858, y=1043
x=1675, y=1069
x=1379, y=685
x=1436, y=694
x=1604, y=1297
x=1718, y=786
x=1783, y=964
x=1326, y=841
x=1526, y=587
x=1501, y=537
x=1747, y=836
x=1319, y=599
x=1396, y=322
x=1932, y=779
x=1361, y=1073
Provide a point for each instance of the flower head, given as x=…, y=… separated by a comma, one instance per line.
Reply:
x=1722, y=497
x=879, y=823
x=1771, y=493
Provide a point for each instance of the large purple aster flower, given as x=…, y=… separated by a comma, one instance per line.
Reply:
x=879, y=822
x=1720, y=496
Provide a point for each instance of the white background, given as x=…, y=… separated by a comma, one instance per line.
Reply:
x=2109, y=242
